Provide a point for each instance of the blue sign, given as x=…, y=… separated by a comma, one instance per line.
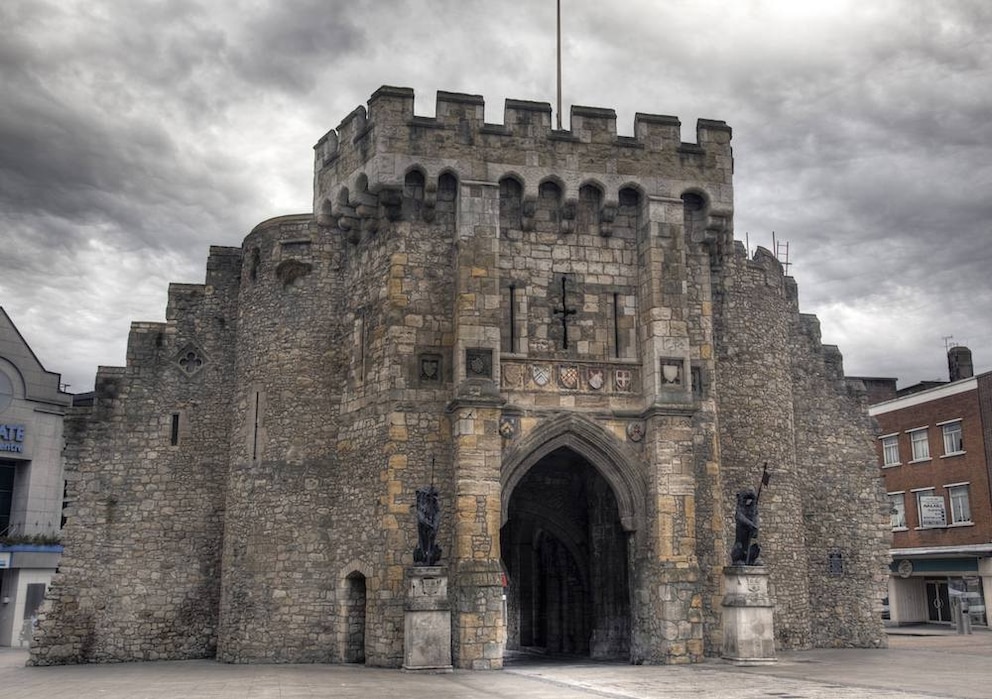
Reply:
x=12, y=438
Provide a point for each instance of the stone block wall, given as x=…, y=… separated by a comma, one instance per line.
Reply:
x=467, y=303
x=146, y=468
x=844, y=506
x=783, y=400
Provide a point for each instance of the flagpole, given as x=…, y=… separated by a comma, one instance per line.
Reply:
x=559, y=65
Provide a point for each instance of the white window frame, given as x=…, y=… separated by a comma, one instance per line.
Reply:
x=955, y=518
x=890, y=440
x=898, y=510
x=918, y=454
x=960, y=440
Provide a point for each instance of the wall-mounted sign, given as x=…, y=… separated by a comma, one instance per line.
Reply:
x=932, y=511
x=905, y=568
x=12, y=438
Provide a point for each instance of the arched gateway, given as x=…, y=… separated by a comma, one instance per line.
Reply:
x=571, y=502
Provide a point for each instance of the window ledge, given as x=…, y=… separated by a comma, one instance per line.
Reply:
x=961, y=524
x=953, y=453
x=898, y=463
x=921, y=461
x=900, y=529
x=923, y=529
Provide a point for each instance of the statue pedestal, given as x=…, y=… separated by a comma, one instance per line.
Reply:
x=748, y=634
x=427, y=626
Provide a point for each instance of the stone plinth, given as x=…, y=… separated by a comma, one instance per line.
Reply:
x=748, y=634
x=427, y=627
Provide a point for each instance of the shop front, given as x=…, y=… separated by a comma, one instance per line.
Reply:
x=940, y=585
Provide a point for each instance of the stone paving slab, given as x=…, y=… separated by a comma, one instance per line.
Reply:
x=958, y=667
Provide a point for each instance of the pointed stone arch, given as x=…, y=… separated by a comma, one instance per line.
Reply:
x=511, y=202
x=352, y=602
x=615, y=462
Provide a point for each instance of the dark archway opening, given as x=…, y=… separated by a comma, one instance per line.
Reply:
x=565, y=554
x=355, y=600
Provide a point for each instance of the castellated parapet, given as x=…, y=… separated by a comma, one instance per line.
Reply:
x=373, y=151
x=557, y=329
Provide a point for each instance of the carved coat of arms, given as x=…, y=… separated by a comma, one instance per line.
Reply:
x=508, y=426
x=541, y=374
x=623, y=379
x=595, y=378
x=513, y=375
x=672, y=373
x=430, y=369
x=568, y=377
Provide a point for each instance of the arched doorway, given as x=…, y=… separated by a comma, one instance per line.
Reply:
x=565, y=553
x=354, y=618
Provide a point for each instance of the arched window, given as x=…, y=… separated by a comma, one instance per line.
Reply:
x=511, y=194
x=447, y=199
x=693, y=212
x=629, y=210
x=413, y=194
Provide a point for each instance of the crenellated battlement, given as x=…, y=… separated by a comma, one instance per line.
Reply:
x=392, y=108
x=386, y=139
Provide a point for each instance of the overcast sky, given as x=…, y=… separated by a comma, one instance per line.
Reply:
x=134, y=135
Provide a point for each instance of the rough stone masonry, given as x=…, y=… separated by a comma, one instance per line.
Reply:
x=557, y=329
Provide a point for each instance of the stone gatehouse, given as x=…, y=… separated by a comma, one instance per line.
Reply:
x=556, y=328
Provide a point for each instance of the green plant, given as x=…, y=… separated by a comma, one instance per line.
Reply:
x=30, y=539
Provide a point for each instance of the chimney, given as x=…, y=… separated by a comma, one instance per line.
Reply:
x=959, y=364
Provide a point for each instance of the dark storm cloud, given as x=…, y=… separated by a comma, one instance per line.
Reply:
x=100, y=181
x=135, y=134
x=102, y=145
x=862, y=139
x=287, y=46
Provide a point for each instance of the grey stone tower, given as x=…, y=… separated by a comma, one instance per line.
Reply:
x=558, y=329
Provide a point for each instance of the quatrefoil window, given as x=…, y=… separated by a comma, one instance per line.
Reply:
x=191, y=360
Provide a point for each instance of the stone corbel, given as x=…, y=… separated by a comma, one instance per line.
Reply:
x=568, y=210
x=718, y=236
x=528, y=209
x=348, y=221
x=366, y=204
x=430, y=201
x=607, y=215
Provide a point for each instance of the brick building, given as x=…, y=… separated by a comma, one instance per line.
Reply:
x=935, y=450
x=557, y=329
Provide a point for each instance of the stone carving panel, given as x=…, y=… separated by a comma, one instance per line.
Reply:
x=553, y=376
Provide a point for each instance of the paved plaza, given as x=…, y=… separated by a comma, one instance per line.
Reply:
x=924, y=662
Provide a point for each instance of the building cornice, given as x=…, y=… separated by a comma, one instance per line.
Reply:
x=927, y=396
x=963, y=550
